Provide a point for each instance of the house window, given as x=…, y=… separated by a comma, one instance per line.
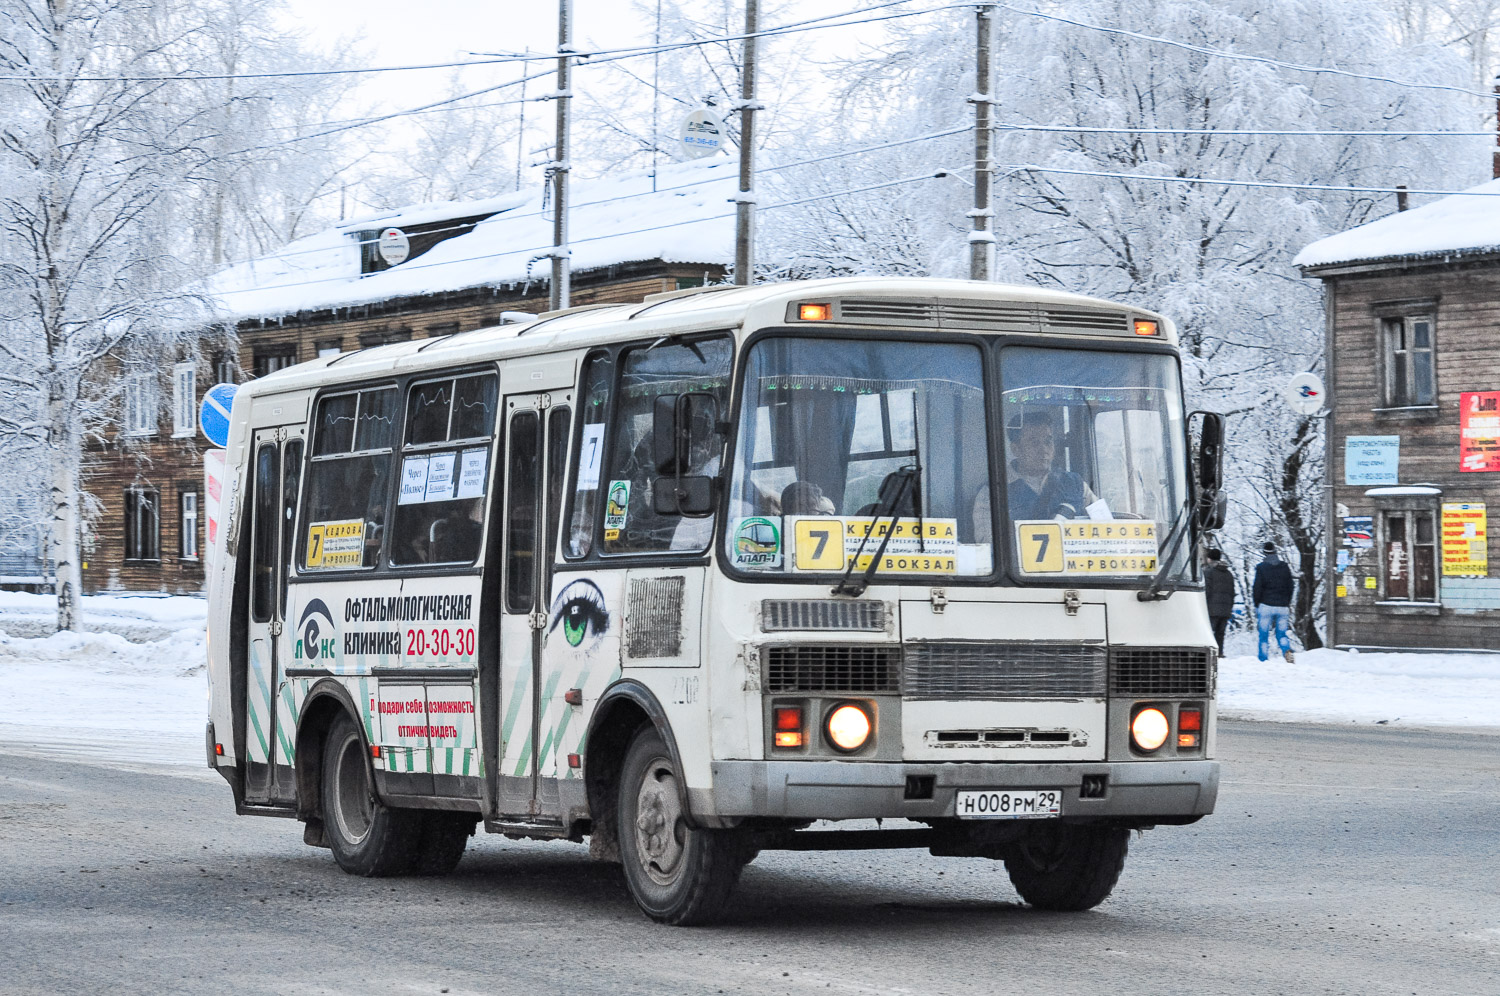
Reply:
x=226, y=369
x=184, y=394
x=329, y=347
x=1410, y=556
x=140, y=404
x=271, y=360
x=1410, y=380
x=187, y=504
x=381, y=337
x=142, y=524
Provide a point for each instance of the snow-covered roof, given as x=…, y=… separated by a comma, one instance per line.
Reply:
x=1458, y=224
x=686, y=218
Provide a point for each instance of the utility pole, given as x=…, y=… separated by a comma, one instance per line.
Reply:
x=744, y=216
x=1496, y=154
x=982, y=235
x=561, y=291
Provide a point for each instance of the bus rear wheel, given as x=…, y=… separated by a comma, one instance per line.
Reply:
x=366, y=836
x=677, y=874
x=1067, y=867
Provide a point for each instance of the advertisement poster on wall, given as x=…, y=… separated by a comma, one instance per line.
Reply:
x=1371, y=460
x=1479, y=431
x=1465, y=551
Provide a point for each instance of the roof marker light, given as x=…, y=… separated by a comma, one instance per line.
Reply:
x=1144, y=326
x=814, y=312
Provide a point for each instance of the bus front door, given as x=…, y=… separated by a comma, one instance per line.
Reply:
x=270, y=726
x=535, y=455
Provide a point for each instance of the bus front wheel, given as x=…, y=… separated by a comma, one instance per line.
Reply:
x=366, y=836
x=1068, y=867
x=677, y=874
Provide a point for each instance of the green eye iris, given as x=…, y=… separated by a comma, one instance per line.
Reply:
x=573, y=628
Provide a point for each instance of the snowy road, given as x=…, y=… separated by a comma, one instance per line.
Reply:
x=1342, y=860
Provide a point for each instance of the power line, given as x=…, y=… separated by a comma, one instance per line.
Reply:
x=1237, y=56
x=1029, y=168
x=812, y=24
x=1332, y=133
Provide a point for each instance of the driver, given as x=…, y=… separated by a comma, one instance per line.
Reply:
x=1037, y=490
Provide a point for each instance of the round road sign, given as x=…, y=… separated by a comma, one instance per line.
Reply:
x=213, y=417
x=702, y=134
x=393, y=246
x=1305, y=394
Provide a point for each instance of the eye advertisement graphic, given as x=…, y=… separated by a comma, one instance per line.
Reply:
x=579, y=613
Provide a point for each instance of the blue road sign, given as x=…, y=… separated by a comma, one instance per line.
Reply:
x=213, y=418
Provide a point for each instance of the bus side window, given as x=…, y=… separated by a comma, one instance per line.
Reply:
x=520, y=521
x=263, y=584
x=631, y=523
x=348, y=481
x=445, y=464
x=593, y=411
x=559, y=420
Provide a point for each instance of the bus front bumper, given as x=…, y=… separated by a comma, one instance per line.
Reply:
x=844, y=790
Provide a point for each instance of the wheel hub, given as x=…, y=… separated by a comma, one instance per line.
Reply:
x=658, y=824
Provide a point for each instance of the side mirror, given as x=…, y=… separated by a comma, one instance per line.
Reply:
x=683, y=425
x=1211, y=453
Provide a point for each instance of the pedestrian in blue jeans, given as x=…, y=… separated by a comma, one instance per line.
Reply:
x=1272, y=595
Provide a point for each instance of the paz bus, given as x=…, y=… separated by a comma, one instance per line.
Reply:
x=727, y=570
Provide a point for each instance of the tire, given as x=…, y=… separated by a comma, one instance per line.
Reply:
x=676, y=874
x=1067, y=867
x=444, y=837
x=366, y=836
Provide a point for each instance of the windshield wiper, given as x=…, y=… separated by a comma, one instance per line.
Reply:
x=910, y=474
x=1179, y=531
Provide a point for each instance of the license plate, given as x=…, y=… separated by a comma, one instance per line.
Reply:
x=1005, y=805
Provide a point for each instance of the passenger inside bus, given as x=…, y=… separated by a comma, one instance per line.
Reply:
x=805, y=498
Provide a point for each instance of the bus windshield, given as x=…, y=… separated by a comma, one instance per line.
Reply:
x=1094, y=461
x=844, y=443
x=841, y=441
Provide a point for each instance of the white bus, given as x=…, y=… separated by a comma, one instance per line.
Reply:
x=689, y=576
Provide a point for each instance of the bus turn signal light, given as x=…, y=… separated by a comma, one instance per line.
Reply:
x=814, y=312
x=1144, y=326
x=219, y=749
x=848, y=727
x=788, y=731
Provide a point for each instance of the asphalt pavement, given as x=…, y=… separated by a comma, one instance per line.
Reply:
x=1341, y=860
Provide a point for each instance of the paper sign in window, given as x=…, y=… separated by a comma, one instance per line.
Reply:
x=589, y=456
x=440, y=477
x=413, y=480
x=472, y=471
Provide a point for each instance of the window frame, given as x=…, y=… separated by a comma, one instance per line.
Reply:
x=271, y=357
x=1398, y=319
x=617, y=352
x=311, y=456
x=184, y=402
x=570, y=485
x=457, y=446
x=1408, y=511
x=187, y=525
x=141, y=404
x=134, y=552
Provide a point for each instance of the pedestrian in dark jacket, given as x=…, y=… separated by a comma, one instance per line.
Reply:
x=1272, y=595
x=1218, y=585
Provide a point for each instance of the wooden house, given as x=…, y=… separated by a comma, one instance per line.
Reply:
x=1413, y=435
x=424, y=271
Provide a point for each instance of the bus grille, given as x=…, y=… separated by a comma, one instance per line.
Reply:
x=1013, y=670
x=780, y=614
x=832, y=669
x=1138, y=671
x=1085, y=320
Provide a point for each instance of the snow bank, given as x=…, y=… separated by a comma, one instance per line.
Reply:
x=1338, y=686
x=684, y=215
x=111, y=692
x=1453, y=224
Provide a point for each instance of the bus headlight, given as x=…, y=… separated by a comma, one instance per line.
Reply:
x=1149, y=729
x=848, y=727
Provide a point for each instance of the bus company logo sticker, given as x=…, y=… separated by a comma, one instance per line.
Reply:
x=757, y=543
x=313, y=645
x=615, y=508
x=580, y=613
